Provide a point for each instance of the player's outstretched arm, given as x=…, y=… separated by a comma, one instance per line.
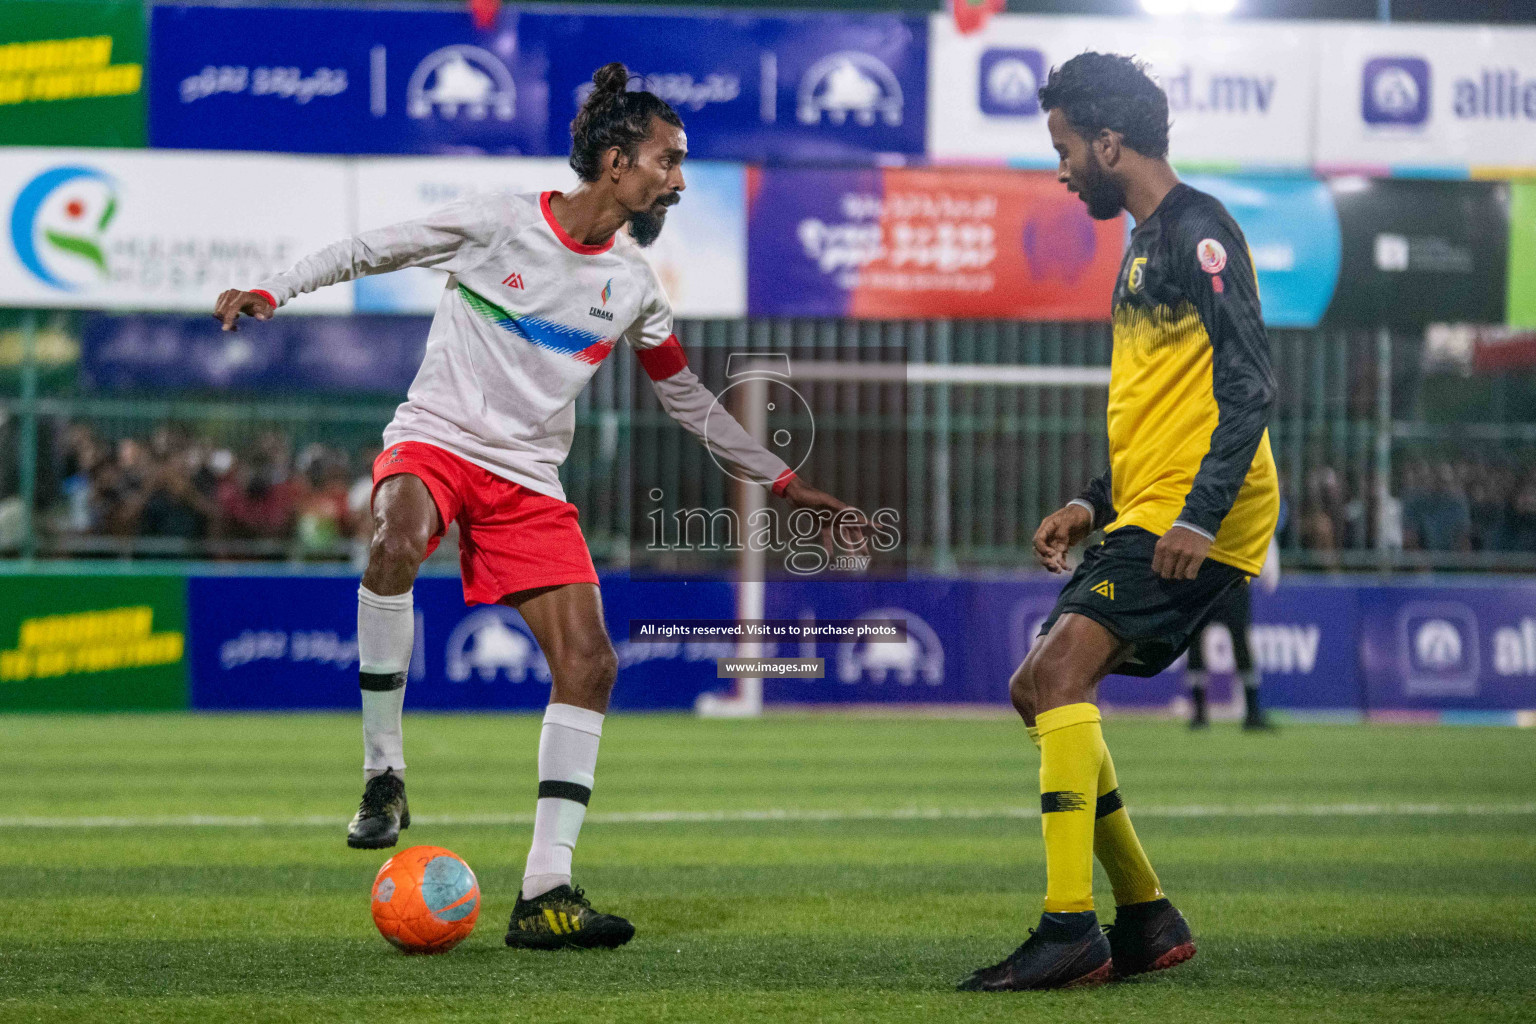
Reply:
x=454, y=238
x=233, y=302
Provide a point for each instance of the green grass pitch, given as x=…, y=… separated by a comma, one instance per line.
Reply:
x=858, y=906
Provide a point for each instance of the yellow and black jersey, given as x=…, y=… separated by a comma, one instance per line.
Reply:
x=1191, y=387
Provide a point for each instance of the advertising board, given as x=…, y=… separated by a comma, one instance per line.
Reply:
x=95, y=228
x=1422, y=96
x=103, y=644
x=72, y=73
x=903, y=242
x=1239, y=92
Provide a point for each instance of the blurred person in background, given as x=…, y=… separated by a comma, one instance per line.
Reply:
x=1522, y=514
x=1490, y=494
x=256, y=499
x=1234, y=610
x=1323, y=515
x=325, y=514
x=83, y=452
x=1436, y=514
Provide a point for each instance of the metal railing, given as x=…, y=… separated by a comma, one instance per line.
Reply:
x=981, y=464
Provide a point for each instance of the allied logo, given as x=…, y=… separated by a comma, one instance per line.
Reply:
x=1437, y=645
x=1212, y=255
x=461, y=81
x=514, y=280
x=1104, y=588
x=607, y=291
x=59, y=225
x=1008, y=82
x=1395, y=91
x=849, y=84
x=1440, y=647
x=1138, y=275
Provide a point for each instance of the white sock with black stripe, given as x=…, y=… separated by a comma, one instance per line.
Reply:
x=386, y=626
x=567, y=765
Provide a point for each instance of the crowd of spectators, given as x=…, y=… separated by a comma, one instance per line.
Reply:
x=178, y=486
x=265, y=498
x=1462, y=504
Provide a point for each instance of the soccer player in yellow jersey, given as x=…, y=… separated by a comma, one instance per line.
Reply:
x=1188, y=506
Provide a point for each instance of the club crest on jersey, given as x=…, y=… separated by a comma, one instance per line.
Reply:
x=607, y=291
x=1213, y=256
x=1138, y=275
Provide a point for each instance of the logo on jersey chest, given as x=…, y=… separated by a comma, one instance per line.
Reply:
x=514, y=280
x=1138, y=275
x=603, y=314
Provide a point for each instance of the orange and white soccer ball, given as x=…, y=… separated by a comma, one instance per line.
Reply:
x=425, y=900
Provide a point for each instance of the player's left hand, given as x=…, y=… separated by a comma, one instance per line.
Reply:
x=843, y=527
x=1179, y=554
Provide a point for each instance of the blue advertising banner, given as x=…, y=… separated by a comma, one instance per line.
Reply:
x=1304, y=638
x=289, y=353
x=357, y=80
x=1292, y=229
x=808, y=88
x=344, y=80
x=1449, y=647
x=290, y=642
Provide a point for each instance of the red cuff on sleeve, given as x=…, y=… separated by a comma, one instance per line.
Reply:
x=663, y=361
x=782, y=483
x=265, y=295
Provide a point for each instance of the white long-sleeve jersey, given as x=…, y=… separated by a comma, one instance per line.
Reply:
x=526, y=318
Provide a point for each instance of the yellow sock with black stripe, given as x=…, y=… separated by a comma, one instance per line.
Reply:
x=1071, y=750
x=1116, y=845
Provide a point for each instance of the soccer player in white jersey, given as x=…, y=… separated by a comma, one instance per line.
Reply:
x=541, y=288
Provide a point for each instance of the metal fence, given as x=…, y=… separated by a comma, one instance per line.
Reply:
x=980, y=464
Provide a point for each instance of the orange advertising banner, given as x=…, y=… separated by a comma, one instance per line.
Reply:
x=923, y=242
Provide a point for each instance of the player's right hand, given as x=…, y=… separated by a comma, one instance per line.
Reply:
x=1058, y=532
x=234, y=302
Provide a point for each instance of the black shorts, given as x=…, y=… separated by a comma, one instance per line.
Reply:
x=1116, y=587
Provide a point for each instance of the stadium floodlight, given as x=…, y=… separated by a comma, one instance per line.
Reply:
x=1175, y=8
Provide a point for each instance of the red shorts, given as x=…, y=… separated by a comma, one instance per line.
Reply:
x=511, y=538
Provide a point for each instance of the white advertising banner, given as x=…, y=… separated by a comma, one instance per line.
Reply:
x=120, y=230
x=1442, y=96
x=1239, y=92
x=700, y=258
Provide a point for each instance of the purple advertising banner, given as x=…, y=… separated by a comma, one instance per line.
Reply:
x=967, y=636
x=809, y=88
x=290, y=642
x=1467, y=647
x=337, y=79
x=299, y=353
